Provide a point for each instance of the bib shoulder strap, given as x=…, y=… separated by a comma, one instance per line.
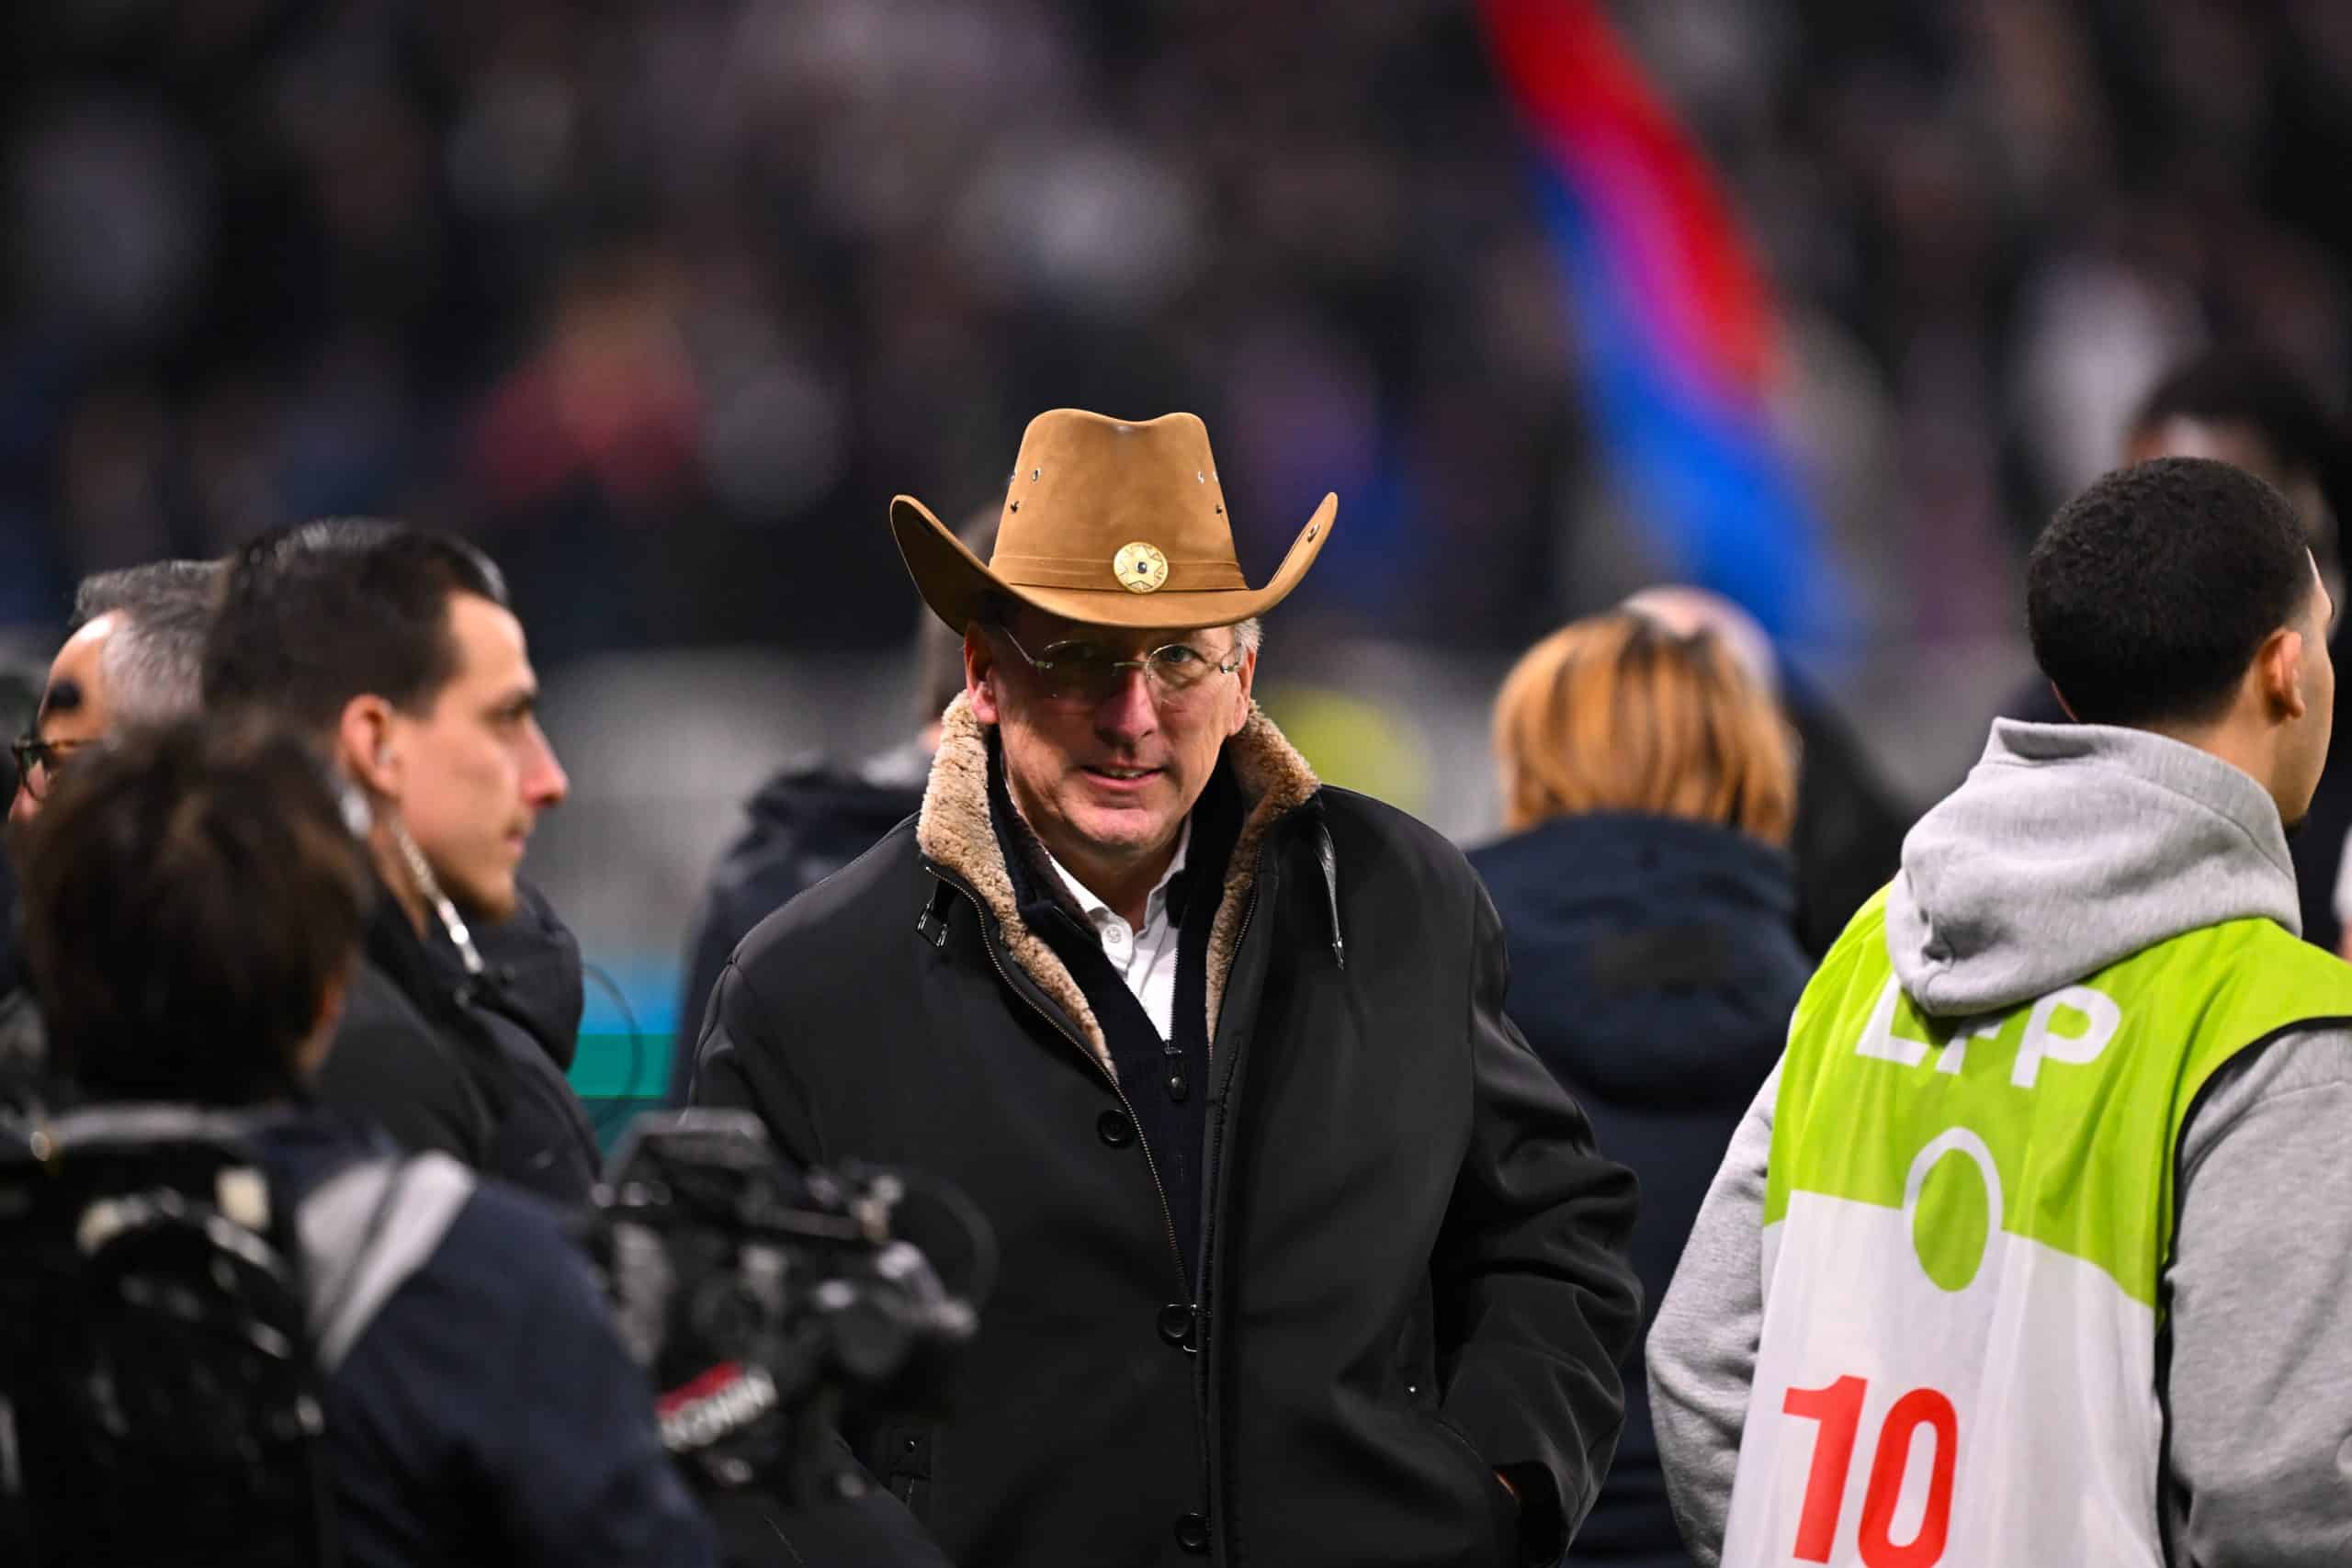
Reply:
x=364, y=1232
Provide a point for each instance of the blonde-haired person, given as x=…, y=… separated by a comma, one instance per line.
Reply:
x=1649, y=782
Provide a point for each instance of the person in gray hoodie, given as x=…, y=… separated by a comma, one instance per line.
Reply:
x=2037, y=1245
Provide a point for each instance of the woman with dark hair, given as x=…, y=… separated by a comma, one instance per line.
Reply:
x=1648, y=906
x=194, y=904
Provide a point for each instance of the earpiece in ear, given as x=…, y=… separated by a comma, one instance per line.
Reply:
x=354, y=804
x=383, y=756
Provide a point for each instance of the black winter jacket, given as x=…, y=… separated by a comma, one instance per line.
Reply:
x=472, y=1066
x=1654, y=967
x=1411, y=1273
x=806, y=823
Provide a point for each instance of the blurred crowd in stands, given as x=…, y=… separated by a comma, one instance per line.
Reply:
x=661, y=304
x=658, y=303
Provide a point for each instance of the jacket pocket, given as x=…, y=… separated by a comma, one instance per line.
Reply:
x=1502, y=1508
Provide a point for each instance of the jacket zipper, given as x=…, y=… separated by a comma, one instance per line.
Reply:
x=1167, y=1212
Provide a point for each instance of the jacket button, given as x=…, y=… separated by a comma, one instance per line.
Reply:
x=1114, y=1128
x=1176, y=1323
x=1192, y=1532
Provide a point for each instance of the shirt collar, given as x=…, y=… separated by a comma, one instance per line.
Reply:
x=1154, y=903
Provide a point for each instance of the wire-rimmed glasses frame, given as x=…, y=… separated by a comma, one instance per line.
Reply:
x=41, y=760
x=1079, y=671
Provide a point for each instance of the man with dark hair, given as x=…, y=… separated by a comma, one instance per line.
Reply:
x=2037, y=1231
x=393, y=651
x=196, y=904
x=2249, y=408
x=811, y=821
x=2215, y=565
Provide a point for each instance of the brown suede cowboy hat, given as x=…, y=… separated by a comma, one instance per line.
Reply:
x=1109, y=522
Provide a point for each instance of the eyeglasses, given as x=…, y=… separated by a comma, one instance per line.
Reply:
x=39, y=761
x=1085, y=671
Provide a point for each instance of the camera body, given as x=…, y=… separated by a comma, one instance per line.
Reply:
x=766, y=1304
x=158, y=1402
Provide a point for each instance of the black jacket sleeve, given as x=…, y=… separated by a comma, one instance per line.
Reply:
x=1536, y=1305
x=710, y=940
x=389, y=1065
x=735, y=1064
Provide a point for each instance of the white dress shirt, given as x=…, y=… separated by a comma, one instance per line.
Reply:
x=1146, y=957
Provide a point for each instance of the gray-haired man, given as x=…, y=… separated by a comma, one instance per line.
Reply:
x=131, y=657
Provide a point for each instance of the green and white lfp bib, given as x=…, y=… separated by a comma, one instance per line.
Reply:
x=1965, y=1222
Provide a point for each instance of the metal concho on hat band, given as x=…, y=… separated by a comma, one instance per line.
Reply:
x=1140, y=567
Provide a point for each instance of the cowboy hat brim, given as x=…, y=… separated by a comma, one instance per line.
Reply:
x=957, y=584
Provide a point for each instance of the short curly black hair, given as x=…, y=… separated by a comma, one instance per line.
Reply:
x=2151, y=590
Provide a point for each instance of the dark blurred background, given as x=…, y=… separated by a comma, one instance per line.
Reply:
x=661, y=300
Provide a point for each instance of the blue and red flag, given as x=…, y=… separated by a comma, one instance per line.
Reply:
x=1675, y=324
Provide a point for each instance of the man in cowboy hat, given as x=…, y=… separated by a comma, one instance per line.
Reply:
x=1304, y=1257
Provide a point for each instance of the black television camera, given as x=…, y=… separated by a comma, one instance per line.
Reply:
x=157, y=1403
x=159, y=1383
x=768, y=1306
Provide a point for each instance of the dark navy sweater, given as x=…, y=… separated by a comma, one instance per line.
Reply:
x=1654, y=965
x=489, y=1413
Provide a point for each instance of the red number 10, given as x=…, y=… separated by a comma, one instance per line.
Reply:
x=1838, y=1408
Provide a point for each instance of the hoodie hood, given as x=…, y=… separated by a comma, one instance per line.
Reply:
x=2069, y=848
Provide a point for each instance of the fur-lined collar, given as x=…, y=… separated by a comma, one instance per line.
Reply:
x=954, y=831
